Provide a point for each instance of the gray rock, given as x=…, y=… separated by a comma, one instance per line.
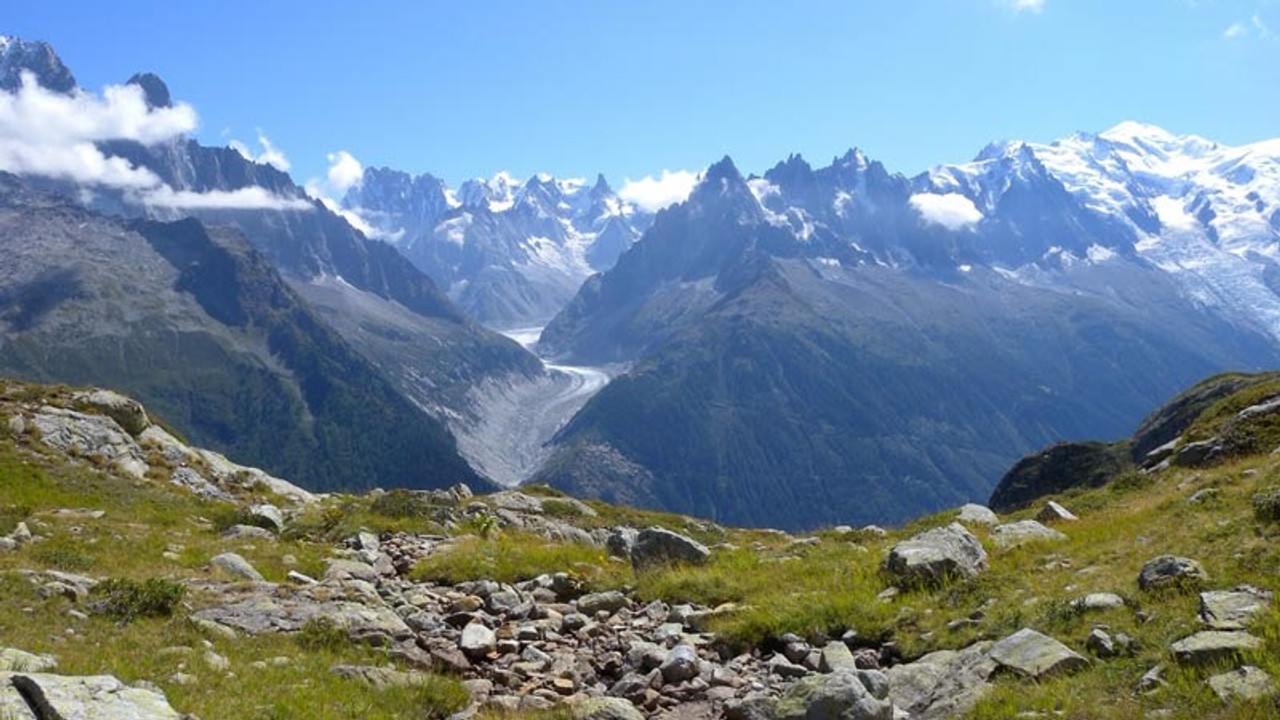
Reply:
x=836, y=656
x=1168, y=571
x=194, y=482
x=248, y=532
x=269, y=514
x=1098, y=601
x=681, y=664
x=943, y=684
x=1244, y=683
x=94, y=436
x=21, y=534
x=350, y=570
x=259, y=613
x=1020, y=533
x=503, y=602
x=610, y=601
x=477, y=640
x=127, y=412
x=782, y=667
x=620, y=541
x=975, y=514
x=12, y=705
x=606, y=708
x=1152, y=679
x=655, y=545
x=1035, y=655
x=380, y=677
x=1100, y=643
x=1209, y=647
x=1052, y=512
x=236, y=565
x=1232, y=609
x=99, y=697
x=14, y=660
x=842, y=695
x=8, y=544
x=935, y=555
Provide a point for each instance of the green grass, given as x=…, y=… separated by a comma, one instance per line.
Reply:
x=514, y=557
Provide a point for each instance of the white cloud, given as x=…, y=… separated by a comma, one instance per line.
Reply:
x=652, y=194
x=270, y=155
x=1234, y=31
x=54, y=135
x=1254, y=27
x=1034, y=6
x=952, y=210
x=247, y=198
x=345, y=171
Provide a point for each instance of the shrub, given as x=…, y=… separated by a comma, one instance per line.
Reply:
x=1266, y=505
x=126, y=599
x=322, y=633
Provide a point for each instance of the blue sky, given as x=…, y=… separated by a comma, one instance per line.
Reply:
x=573, y=87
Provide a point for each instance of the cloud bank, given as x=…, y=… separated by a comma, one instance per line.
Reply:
x=653, y=194
x=54, y=135
x=952, y=210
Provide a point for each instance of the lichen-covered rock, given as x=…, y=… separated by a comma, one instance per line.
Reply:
x=975, y=514
x=943, y=684
x=935, y=555
x=1244, y=683
x=237, y=566
x=843, y=695
x=1210, y=647
x=1232, y=609
x=97, y=697
x=1036, y=655
x=88, y=435
x=606, y=708
x=1025, y=531
x=14, y=660
x=1171, y=572
x=127, y=412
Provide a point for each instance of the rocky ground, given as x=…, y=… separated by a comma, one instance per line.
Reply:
x=961, y=635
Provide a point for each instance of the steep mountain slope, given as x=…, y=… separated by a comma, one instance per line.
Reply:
x=511, y=254
x=810, y=350
x=199, y=325
x=386, y=308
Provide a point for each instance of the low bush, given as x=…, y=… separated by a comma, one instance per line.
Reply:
x=127, y=599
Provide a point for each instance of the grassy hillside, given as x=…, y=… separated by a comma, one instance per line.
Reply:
x=757, y=584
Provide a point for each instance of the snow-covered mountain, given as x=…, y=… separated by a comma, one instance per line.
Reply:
x=1207, y=214
x=511, y=253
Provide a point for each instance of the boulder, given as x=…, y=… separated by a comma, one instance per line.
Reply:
x=606, y=708
x=237, y=566
x=1035, y=655
x=127, y=412
x=975, y=514
x=1098, y=601
x=1244, y=683
x=260, y=613
x=477, y=640
x=655, y=545
x=681, y=664
x=1052, y=512
x=1232, y=609
x=943, y=684
x=98, y=697
x=843, y=695
x=1013, y=535
x=1209, y=647
x=936, y=555
x=620, y=542
x=1170, y=572
x=267, y=515
x=836, y=656
x=610, y=601
x=14, y=660
x=95, y=436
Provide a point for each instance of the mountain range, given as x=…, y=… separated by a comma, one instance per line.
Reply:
x=828, y=345
x=511, y=254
